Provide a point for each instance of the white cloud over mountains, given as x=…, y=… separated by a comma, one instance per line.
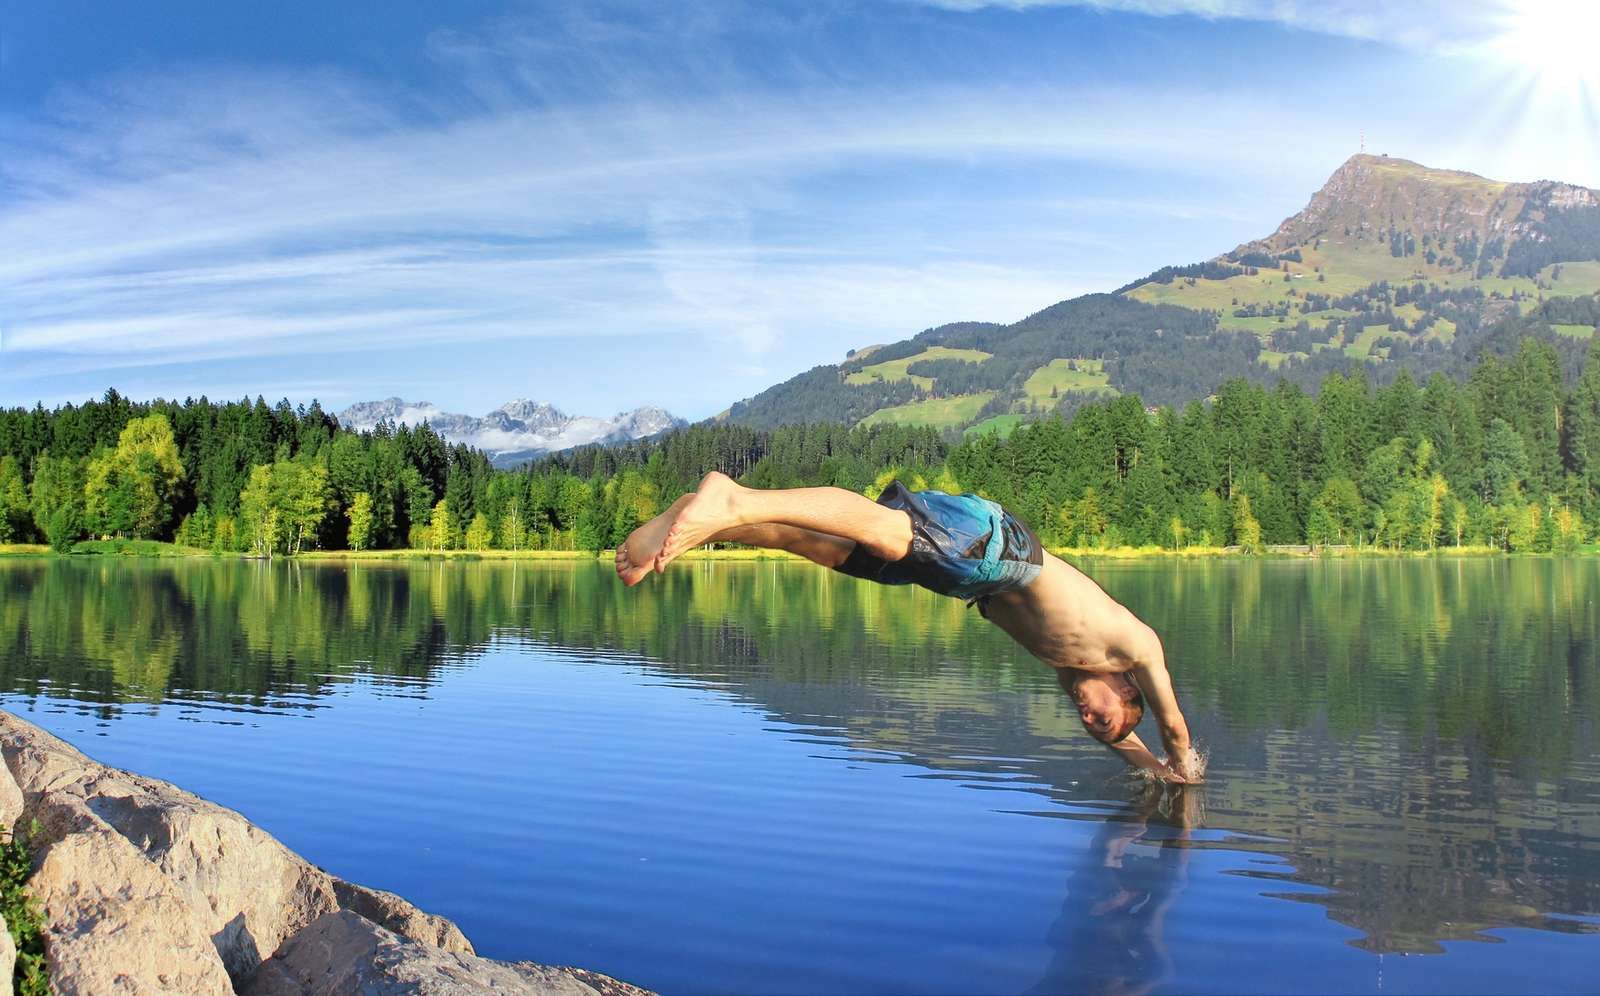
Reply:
x=557, y=187
x=195, y=217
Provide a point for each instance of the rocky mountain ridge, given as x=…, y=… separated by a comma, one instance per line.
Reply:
x=1391, y=265
x=517, y=431
x=1381, y=194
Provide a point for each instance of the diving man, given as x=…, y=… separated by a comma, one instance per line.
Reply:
x=1107, y=660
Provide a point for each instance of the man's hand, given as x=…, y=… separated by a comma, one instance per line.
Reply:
x=1133, y=751
x=1185, y=766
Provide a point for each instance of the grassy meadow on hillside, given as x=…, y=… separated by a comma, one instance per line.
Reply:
x=1056, y=378
x=895, y=370
x=938, y=413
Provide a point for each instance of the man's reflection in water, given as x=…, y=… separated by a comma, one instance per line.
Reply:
x=1110, y=935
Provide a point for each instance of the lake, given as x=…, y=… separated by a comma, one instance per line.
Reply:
x=757, y=777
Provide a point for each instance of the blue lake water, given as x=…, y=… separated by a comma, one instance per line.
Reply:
x=761, y=778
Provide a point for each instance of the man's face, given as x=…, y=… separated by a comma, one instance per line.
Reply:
x=1102, y=702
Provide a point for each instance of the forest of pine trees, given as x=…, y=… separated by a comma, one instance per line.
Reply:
x=1510, y=459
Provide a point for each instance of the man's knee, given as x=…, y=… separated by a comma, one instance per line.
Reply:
x=892, y=540
x=831, y=553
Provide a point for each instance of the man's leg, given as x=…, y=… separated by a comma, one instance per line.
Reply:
x=819, y=548
x=636, y=555
x=719, y=504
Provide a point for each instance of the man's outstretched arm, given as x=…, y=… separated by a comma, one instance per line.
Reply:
x=1150, y=673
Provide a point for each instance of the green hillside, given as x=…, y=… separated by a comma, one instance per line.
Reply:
x=896, y=370
x=941, y=413
x=1392, y=265
x=1047, y=384
x=1389, y=239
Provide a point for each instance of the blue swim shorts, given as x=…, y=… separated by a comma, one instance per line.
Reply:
x=961, y=545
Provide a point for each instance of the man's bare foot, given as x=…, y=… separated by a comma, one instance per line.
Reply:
x=630, y=573
x=636, y=556
x=709, y=511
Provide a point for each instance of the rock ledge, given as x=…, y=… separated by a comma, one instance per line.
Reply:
x=147, y=888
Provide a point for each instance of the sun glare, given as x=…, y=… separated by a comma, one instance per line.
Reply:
x=1555, y=42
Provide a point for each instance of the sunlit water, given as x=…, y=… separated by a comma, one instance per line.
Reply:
x=759, y=777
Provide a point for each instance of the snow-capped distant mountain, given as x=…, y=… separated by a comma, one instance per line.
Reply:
x=517, y=431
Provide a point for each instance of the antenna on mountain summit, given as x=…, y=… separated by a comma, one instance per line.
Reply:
x=1363, y=143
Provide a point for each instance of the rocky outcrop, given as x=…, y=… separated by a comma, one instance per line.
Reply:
x=345, y=953
x=147, y=888
x=1377, y=194
x=388, y=910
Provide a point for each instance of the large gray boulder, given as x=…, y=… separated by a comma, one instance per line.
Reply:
x=242, y=889
x=147, y=888
x=113, y=922
x=388, y=910
x=345, y=953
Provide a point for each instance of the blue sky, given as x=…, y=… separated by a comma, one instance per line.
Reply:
x=607, y=205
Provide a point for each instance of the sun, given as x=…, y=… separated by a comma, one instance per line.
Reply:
x=1555, y=43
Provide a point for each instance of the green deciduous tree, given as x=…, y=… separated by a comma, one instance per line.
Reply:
x=197, y=528
x=258, y=512
x=439, y=534
x=360, y=514
x=1339, y=513
x=130, y=488
x=1246, y=530
x=63, y=529
x=479, y=535
x=302, y=498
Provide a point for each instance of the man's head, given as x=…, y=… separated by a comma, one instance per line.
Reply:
x=1110, y=705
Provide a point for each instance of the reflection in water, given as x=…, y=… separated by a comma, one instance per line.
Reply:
x=1110, y=937
x=1416, y=738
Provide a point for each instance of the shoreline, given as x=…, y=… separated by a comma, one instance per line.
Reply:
x=156, y=550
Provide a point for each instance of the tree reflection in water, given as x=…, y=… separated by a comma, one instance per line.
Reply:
x=1416, y=738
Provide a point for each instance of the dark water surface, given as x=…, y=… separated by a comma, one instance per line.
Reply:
x=759, y=777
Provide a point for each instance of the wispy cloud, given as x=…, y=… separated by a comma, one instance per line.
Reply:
x=602, y=179
x=1427, y=25
x=199, y=217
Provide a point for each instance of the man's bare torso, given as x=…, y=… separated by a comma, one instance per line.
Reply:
x=1066, y=620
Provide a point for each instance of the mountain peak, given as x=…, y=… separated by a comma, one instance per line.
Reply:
x=1368, y=165
x=1374, y=193
x=523, y=409
x=518, y=430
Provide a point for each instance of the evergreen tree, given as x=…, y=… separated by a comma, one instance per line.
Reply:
x=16, y=515
x=1505, y=464
x=57, y=484
x=1581, y=423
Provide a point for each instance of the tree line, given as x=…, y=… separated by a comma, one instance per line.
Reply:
x=1509, y=457
x=267, y=480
